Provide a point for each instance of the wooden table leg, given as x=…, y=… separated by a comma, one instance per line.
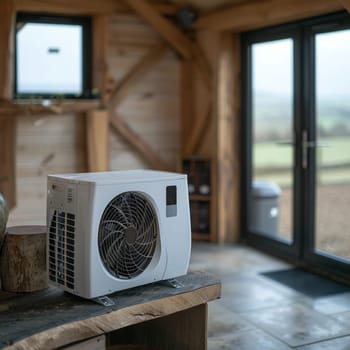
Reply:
x=185, y=330
x=97, y=343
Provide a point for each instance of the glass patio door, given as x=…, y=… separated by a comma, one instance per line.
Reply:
x=296, y=108
x=271, y=172
x=272, y=146
x=330, y=151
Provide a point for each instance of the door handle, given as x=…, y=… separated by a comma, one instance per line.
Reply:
x=305, y=144
x=285, y=143
x=315, y=144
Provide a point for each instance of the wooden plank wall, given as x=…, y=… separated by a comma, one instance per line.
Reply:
x=152, y=106
x=7, y=158
x=6, y=52
x=56, y=143
x=45, y=144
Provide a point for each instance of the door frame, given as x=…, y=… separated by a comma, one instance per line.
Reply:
x=332, y=264
x=301, y=251
x=275, y=247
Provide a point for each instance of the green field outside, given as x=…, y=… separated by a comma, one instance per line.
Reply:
x=273, y=162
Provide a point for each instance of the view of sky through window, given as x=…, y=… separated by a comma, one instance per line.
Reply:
x=272, y=67
x=49, y=59
x=332, y=64
x=275, y=59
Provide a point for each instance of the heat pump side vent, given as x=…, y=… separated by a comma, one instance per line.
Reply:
x=62, y=248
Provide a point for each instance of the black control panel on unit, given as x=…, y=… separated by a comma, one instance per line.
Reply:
x=171, y=201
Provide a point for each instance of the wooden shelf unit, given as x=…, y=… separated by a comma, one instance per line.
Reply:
x=201, y=195
x=44, y=106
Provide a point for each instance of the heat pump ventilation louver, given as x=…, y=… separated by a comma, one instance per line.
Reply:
x=62, y=248
x=127, y=235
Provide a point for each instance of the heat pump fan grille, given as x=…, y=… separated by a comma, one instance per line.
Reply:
x=127, y=235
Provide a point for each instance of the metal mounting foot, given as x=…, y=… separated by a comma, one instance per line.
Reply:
x=104, y=300
x=173, y=283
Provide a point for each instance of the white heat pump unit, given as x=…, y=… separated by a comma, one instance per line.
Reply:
x=111, y=231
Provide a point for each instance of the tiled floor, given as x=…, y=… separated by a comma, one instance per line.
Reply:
x=256, y=313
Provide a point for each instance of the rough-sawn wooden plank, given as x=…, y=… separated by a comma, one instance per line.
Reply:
x=52, y=318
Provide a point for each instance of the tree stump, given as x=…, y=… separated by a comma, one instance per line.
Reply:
x=23, y=259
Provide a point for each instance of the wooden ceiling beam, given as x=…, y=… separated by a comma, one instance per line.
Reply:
x=83, y=7
x=187, y=103
x=261, y=13
x=179, y=41
x=7, y=12
x=8, y=158
x=164, y=27
x=139, y=145
x=56, y=107
x=97, y=140
x=345, y=4
x=99, y=56
x=70, y=7
x=204, y=96
x=202, y=65
x=136, y=74
x=198, y=129
x=228, y=138
x=167, y=9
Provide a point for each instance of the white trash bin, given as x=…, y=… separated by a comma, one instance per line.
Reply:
x=264, y=218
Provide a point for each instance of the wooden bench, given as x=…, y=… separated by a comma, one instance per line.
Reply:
x=155, y=316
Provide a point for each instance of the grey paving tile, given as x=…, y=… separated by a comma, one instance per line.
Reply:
x=333, y=304
x=223, y=321
x=334, y=344
x=271, y=315
x=343, y=317
x=248, y=340
x=244, y=294
x=297, y=324
x=233, y=258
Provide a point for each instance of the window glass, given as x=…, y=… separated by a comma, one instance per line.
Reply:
x=50, y=59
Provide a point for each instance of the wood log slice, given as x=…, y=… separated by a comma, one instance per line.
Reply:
x=23, y=259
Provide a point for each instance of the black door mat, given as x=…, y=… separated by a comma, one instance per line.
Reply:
x=307, y=283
